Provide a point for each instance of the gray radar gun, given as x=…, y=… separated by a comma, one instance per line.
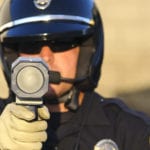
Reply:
x=29, y=81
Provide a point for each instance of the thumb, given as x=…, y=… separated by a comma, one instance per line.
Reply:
x=43, y=112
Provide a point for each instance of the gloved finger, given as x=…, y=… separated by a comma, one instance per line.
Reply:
x=22, y=125
x=43, y=113
x=21, y=112
x=27, y=146
x=28, y=137
x=16, y=145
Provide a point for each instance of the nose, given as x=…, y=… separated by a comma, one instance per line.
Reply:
x=47, y=54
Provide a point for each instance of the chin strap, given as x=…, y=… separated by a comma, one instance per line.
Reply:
x=73, y=100
x=70, y=99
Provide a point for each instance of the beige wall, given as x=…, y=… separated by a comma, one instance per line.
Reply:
x=1, y=2
x=126, y=71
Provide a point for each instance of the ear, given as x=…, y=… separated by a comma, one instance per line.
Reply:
x=4, y=89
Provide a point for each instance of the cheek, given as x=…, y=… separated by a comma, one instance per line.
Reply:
x=68, y=63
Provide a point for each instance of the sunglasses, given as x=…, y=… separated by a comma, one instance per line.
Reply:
x=34, y=47
x=55, y=45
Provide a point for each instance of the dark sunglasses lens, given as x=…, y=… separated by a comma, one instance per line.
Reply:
x=57, y=46
x=29, y=48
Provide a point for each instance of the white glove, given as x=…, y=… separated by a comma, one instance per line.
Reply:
x=19, y=132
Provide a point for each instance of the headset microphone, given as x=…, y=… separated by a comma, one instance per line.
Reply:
x=55, y=78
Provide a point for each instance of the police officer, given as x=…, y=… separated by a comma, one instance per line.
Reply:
x=68, y=36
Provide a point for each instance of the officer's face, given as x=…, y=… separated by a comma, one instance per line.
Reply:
x=65, y=62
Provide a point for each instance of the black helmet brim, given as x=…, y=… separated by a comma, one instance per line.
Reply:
x=46, y=31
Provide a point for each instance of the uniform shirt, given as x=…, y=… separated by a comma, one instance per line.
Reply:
x=107, y=123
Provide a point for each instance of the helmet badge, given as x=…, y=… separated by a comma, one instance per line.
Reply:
x=42, y=4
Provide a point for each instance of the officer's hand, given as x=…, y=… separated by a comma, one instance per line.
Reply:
x=18, y=131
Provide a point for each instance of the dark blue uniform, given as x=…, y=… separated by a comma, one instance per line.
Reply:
x=98, y=119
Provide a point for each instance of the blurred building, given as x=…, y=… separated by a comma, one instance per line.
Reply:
x=1, y=2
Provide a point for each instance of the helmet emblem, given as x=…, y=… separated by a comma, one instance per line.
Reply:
x=106, y=144
x=42, y=4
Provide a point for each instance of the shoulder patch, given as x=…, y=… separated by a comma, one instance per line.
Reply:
x=106, y=144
